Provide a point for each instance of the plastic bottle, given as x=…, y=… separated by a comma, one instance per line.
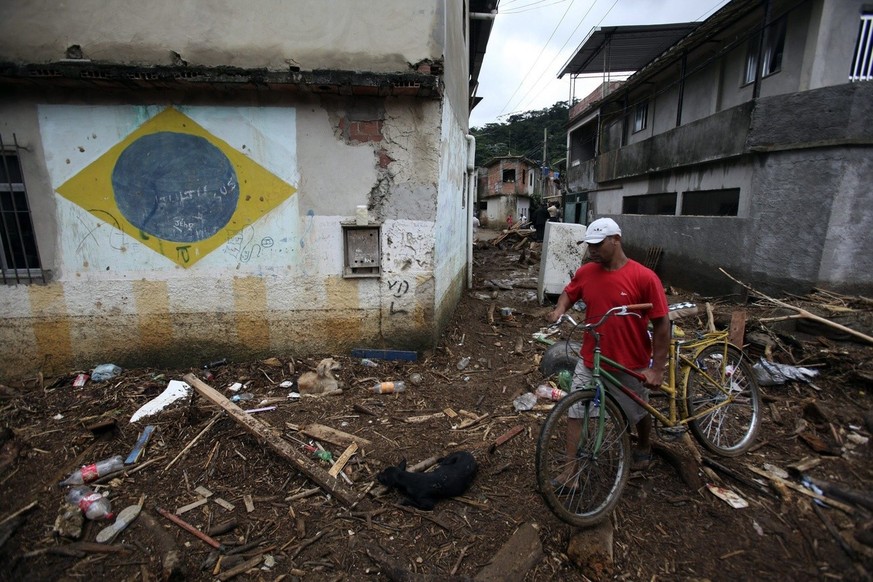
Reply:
x=389, y=387
x=369, y=363
x=94, y=471
x=546, y=391
x=463, y=363
x=92, y=504
x=105, y=372
x=242, y=397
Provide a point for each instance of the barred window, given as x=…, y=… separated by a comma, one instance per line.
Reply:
x=19, y=257
x=862, y=62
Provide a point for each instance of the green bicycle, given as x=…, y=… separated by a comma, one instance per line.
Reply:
x=583, y=451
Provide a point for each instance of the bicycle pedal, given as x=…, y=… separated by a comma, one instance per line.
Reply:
x=674, y=432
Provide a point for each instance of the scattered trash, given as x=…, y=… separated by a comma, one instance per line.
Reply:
x=175, y=390
x=58, y=416
x=758, y=529
x=389, y=387
x=857, y=439
x=547, y=391
x=369, y=363
x=236, y=386
x=463, y=363
x=730, y=497
x=580, y=306
x=92, y=504
x=139, y=447
x=287, y=384
x=81, y=380
x=94, y=471
x=506, y=312
x=104, y=372
x=415, y=378
x=565, y=380
x=215, y=364
x=525, y=402
x=242, y=397
x=773, y=374
x=69, y=522
x=124, y=519
x=262, y=409
x=294, y=395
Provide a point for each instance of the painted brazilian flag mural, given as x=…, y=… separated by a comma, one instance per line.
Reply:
x=177, y=188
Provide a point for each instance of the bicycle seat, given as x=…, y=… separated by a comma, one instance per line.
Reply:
x=679, y=310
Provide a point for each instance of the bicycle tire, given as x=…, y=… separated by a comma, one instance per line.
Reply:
x=730, y=430
x=599, y=481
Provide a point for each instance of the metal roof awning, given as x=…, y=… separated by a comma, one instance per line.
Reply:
x=624, y=48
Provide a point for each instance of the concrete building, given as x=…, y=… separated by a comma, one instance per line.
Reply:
x=506, y=184
x=187, y=181
x=742, y=142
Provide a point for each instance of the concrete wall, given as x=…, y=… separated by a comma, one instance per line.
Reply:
x=268, y=276
x=271, y=34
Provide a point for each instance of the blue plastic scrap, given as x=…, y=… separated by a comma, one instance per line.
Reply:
x=138, y=448
x=393, y=355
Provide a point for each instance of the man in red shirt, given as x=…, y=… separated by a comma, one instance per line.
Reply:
x=611, y=280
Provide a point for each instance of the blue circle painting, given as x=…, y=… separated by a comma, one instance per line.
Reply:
x=175, y=186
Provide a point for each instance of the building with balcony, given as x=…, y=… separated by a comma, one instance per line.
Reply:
x=743, y=142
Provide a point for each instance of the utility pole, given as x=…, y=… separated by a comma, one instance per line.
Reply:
x=545, y=163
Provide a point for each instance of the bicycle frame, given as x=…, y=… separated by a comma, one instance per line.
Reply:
x=679, y=367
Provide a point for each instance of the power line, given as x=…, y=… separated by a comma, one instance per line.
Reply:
x=535, y=60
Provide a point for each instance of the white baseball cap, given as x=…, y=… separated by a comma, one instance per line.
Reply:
x=600, y=229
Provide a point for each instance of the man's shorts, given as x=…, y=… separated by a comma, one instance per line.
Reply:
x=634, y=412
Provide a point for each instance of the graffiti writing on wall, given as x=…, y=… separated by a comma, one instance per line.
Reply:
x=398, y=288
x=178, y=189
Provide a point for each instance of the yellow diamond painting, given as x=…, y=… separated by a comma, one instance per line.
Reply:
x=176, y=188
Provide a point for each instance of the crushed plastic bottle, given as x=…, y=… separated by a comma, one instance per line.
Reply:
x=94, y=471
x=525, y=402
x=546, y=391
x=92, y=504
x=369, y=363
x=463, y=362
x=105, y=372
x=242, y=397
x=389, y=387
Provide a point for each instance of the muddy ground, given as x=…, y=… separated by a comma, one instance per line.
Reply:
x=663, y=529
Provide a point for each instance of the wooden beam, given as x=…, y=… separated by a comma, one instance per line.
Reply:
x=272, y=438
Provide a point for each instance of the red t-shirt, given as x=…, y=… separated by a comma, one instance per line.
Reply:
x=624, y=339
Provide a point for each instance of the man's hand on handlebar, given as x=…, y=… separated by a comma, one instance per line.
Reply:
x=554, y=315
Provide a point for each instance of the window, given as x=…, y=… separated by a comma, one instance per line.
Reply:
x=711, y=202
x=862, y=63
x=650, y=204
x=509, y=175
x=641, y=113
x=771, y=51
x=19, y=259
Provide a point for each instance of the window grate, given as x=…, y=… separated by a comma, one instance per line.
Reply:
x=19, y=256
x=862, y=63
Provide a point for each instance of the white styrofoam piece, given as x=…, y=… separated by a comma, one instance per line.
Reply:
x=175, y=390
x=561, y=256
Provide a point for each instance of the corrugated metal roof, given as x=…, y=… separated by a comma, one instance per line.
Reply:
x=624, y=48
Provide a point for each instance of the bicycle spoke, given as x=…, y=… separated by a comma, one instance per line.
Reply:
x=723, y=395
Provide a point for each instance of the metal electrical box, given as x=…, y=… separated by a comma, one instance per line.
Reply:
x=362, y=251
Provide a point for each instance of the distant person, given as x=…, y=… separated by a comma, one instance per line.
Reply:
x=509, y=221
x=475, y=228
x=540, y=218
x=553, y=212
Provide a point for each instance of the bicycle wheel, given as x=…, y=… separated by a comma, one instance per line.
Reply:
x=724, y=383
x=581, y=477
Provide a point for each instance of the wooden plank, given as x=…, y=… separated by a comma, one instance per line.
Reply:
x=737, y=332
x=272, y=438
x=779, y=480
x=343, y=459
x=333, y=436
x=190, y=506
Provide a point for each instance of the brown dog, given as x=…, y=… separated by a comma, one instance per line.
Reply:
x=322, y=381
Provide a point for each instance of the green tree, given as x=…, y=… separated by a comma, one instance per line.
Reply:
x=522, y=135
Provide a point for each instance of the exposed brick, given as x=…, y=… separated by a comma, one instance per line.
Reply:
x=384, y=158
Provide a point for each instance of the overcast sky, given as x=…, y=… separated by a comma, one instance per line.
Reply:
x=532, y=40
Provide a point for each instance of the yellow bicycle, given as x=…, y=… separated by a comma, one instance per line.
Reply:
x=583, y=451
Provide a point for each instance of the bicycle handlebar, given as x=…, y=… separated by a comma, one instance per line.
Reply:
x=619, y=310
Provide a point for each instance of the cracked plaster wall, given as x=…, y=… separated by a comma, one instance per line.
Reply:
x=272, y=34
